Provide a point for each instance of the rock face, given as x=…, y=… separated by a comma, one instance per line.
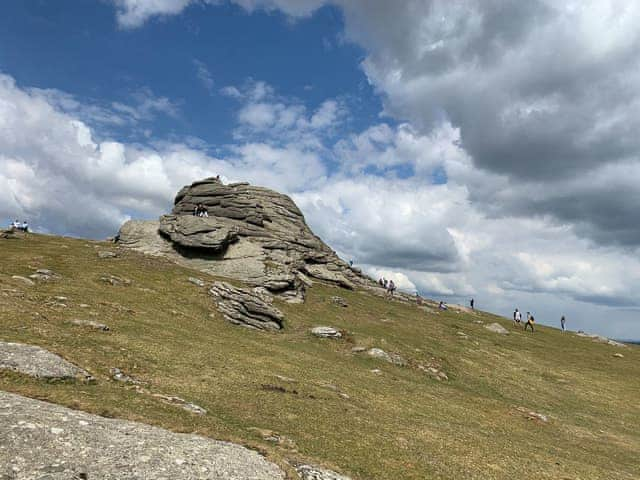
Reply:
x=37, y=362
x=36, y=436
x=246, y=308
x=252, y=234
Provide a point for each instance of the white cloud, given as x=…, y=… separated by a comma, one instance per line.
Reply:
x=204, y=75
x=423, y=234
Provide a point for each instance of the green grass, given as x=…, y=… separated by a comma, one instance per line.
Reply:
x=399, y=424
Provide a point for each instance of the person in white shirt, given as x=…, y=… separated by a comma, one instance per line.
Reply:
x=517, y=316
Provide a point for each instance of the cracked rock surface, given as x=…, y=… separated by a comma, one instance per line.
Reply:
x=245, y=307
x=40, y=440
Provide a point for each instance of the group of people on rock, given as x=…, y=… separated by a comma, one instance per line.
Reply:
x=21, y=226
x=388, y=285
x=200, y=211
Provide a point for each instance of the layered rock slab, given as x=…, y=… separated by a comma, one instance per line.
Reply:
x=246, y=308
x=251, y=234
x=42, y=440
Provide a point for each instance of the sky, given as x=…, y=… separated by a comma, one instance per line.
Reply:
x=463, y=148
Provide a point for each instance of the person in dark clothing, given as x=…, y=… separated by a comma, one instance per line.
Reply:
x=562, y=322
x=530, y=322
x=472, y=302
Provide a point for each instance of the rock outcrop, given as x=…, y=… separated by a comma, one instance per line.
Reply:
x=251, y=234
x=244, y=307
x=38, y=362
x=45, y=441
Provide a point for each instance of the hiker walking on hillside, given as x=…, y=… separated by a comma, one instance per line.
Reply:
x=517, y=317
x=472, y=302
x=562, y=322
x=530, y=322
x=391, y=288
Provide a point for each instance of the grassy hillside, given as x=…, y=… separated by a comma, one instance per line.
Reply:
x=296, y=397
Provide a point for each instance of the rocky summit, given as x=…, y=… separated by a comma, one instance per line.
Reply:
x=251, y=234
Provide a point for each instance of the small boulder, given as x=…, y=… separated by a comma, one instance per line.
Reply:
x=339, y=301
x=180, y=402
x=326, y=332
x=115, y=280
x=196, y=281
x=618, y=355
x=23, y=280
x=310, y=472
x=392, y=358
x=92, y=324
x=120, y=376
x=107, y=254
x=497, y=328
x=44, y=275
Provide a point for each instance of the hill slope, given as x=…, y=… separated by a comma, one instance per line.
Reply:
x=296, y=397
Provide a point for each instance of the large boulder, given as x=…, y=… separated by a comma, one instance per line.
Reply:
x=252, y=234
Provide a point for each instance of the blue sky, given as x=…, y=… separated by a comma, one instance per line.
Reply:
x=77, y=46
x=484, y=149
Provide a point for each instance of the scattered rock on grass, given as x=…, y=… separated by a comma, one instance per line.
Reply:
x=393, y=358
x=533, y=415
x=38, y=362
x=115, y=280
x=339, y=301
x=618, y=355
x=120, y=376
x=24, y=280
x=107, y=254
x=600, y=339
x=244, y=307
x=180, y=402
x=44, y=275
x=91, y=323
x=497, y=328
x=326, y=332
x=196, y=281
x=434, y=372
x=309, y=472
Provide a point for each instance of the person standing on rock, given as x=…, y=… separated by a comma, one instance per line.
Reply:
x=562, y=322
x=530, y=322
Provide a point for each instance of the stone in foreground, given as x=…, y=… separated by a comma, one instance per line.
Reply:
x=497, y=328
x=245, y=307
x=309, y=472
x=42, y=440
x=326, y=332
x=38, y=362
